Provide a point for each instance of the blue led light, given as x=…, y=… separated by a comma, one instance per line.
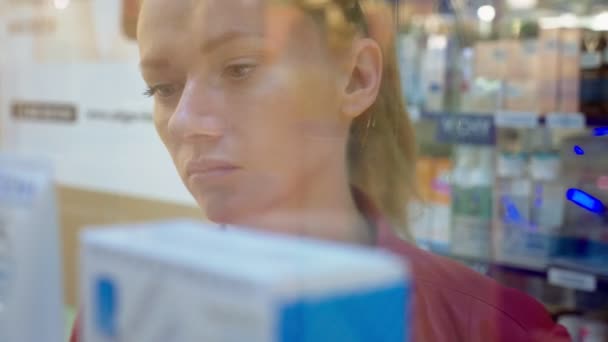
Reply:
x=512, y=214
x=578, y=150
x=586, y=201
x=600, y=131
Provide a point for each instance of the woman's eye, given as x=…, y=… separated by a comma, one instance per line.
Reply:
x=162, y=90
x=239, y=71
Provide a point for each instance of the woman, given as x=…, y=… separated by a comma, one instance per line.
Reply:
x=286, y=116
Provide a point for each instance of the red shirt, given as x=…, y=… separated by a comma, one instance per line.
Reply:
x=453, y=303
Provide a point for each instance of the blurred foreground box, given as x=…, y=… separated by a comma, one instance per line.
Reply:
x=182, y=281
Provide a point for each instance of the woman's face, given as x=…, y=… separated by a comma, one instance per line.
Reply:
x=247, y=101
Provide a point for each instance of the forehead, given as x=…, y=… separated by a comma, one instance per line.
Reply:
x=212, y=17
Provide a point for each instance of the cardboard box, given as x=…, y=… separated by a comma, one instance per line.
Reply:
x=522, y=96
x=580, y=71
x=182, y=281
x=548, y=78
x=523, y=59
x=605, y=76
x=491, y=60
x=435, y=66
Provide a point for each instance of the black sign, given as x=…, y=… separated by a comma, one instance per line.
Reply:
x=40, y=111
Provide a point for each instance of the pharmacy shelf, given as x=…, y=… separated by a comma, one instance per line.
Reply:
x=558, y=272
x=480, y=128
x=521, y=119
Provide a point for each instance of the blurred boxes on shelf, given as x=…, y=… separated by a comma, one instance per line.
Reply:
x=431, y=213
x=514, y=64
x=491, y=59
x=564, y=70
x=581, y=63
x=522, y=59
x=583, y=240
x=604, y=86
x=522, y=79
x=420, y=211
x=441, y=201
x=438, y=80
x=182, y=281
x=548, y=78
x=521, y=95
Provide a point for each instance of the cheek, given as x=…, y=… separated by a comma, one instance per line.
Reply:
x=294, y=124
x=161, y=121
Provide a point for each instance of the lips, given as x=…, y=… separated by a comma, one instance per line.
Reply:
x=210, y=168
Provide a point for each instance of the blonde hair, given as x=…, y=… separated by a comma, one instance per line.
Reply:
x=381, y=147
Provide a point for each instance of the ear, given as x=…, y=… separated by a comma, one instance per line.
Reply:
x=364, y=78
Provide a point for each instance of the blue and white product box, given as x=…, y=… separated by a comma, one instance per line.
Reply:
x=31, y=292
x=184, y=281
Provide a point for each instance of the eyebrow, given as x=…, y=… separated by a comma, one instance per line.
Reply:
x=205, y=48
x=224, y=38
x=154, y=63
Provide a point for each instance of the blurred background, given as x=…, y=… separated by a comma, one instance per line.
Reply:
x=509, y=99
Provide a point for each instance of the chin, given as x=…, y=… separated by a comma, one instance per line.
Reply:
x=220, y=212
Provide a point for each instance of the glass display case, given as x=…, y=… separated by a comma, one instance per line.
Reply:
x=509, y=99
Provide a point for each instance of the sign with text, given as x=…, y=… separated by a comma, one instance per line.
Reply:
x=73, y=94
x=468, y=129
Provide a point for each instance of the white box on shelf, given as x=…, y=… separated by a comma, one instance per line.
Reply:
x=185, y=281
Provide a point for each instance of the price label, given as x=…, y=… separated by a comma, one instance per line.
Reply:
x=510, y=119
x=566, y=120
x=572, y=280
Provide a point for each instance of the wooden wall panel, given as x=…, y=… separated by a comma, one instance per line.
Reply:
x=81, y=208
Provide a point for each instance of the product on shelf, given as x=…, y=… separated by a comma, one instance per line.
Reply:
x=573, y=323
x=581, y=71
x=31, y=293
x=438, y=77
x=484, y=96
x=604, y=86
x=549, y=77
x=522, y=78
x=409, y=52
x=523, y=59
x=521, y=95
x=549, y=200
x=471, y=216
x=420, y=210
x=593, y=331
x=441, y=202
x=585, y=328
x=181, y=281
x=430, y=213
x=583, y=239
x=491, y=59
x=513, y=235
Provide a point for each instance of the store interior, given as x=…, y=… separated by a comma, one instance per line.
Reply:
x=529, y=177
x=509, y=100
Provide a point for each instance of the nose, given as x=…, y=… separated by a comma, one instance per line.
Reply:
x=197, y=113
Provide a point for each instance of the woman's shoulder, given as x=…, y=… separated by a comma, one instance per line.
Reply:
x=468, y=304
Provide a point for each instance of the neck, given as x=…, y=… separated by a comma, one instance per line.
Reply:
x=326, y=211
